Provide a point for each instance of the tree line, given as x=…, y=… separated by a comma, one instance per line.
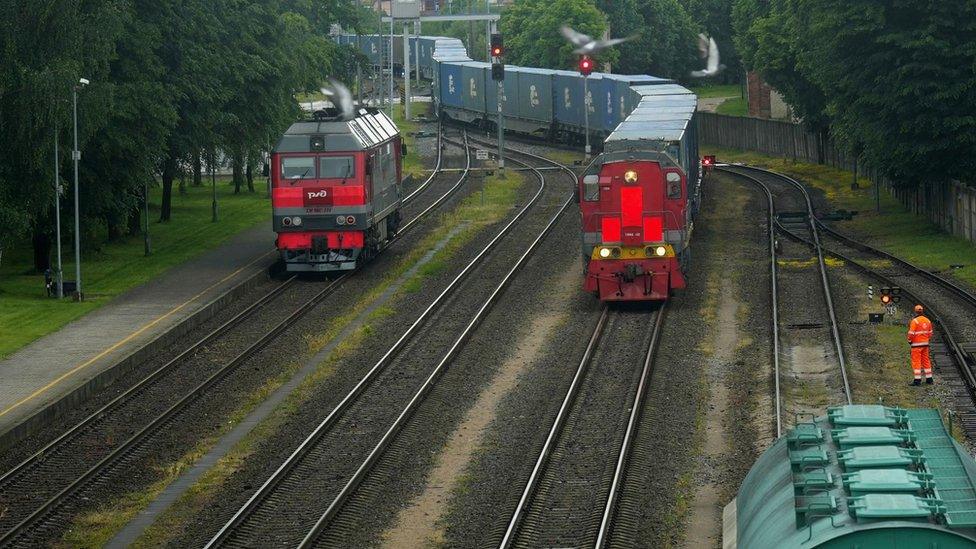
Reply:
x=894, y=81
x=173, y=82
x=665, y=33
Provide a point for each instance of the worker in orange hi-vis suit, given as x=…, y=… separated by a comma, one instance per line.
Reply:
x=919, y=334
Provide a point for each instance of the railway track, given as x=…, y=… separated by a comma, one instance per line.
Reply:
x=570, y=496
x=791, y=213
x=34, y=493
x=950, y=306
x=297, y=503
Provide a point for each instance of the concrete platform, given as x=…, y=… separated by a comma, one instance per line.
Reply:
x=52, y=373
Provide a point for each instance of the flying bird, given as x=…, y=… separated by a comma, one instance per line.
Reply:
x=708, y=49
x=586, y=45
x=341, y=97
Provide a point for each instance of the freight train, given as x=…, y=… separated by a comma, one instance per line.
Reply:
x=335, y=190
x=637, y=198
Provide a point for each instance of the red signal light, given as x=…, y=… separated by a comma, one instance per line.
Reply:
x=886, y=299
x=585, y=65
x=496, y=51
x=708, y=160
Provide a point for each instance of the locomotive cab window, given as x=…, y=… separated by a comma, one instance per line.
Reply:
x=298, y=167
x=591, y=187
x=674, y=185
x=336, y=167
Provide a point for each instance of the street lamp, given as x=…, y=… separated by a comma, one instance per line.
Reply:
x=76, y=156
x=58, y=276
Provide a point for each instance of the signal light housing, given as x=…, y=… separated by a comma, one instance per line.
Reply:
x=585, y=65
x=497, y=48
x=498, y=72
x=708, y=160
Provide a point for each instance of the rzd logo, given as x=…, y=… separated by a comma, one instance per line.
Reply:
x=474, y=88
x=318, y=194
x=450, y=85
x=317, y=197
x=533, y=96
x=569, y=103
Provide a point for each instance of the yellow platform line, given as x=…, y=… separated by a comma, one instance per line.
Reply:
x=129, y=337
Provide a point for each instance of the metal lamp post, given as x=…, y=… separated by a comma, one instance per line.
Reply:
x=58, y=276
x=76, y=157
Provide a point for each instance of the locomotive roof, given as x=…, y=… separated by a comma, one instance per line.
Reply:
x=365, y=131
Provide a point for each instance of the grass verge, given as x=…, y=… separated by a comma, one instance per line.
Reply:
x=718, y=90
x=894, y=229
x=412, y=163
x=97, y=528
x=115, y=267
x=735, y=106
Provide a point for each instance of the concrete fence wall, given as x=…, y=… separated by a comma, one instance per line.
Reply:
x=950, y=205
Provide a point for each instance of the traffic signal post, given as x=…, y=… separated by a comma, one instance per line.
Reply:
x=585, y=68
x=498, y=75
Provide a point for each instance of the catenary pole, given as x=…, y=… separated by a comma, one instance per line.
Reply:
x=406, y=70
x=586, y=117
x=76, y=157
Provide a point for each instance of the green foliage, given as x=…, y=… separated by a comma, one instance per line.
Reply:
x=170, y=80
x=532, y=37
x=666, y=45
x=893, y=80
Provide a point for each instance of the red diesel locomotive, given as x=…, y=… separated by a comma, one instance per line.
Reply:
x=636, y=225
x=335, y=190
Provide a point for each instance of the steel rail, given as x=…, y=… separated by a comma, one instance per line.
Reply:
x=437, y=169
x=556, y=428
x=387, y=439
x=631, y=432
x=160, y=421
x=325, y=425
x=774, y=300
x=143, y=384
x=819, y=248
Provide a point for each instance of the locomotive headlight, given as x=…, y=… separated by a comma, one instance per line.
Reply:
x=630, y=176
x=296, y=221
x=341, y=220
x=604, y=252
x=661, y=251
x=350, y=220
x=286, y=221
x=673, y=177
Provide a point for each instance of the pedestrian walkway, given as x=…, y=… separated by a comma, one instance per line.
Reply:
x=57, y=364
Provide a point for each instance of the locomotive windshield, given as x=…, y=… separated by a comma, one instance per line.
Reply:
x=298, y=167
x=336, y=167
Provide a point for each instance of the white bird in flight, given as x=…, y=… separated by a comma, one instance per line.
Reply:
x=586, y=45
x=708, y=49
x=341, y=98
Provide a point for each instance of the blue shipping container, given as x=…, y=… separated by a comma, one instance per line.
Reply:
x=450, y=84
x=510, y=100
x=534, y=94
x=473, y=76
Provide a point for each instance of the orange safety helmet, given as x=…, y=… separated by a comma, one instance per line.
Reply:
x=919, y=309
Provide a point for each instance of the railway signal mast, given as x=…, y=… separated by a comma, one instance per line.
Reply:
x=498, y=75
x=585, y=68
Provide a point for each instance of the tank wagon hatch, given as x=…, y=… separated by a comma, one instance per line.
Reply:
x=864, y=476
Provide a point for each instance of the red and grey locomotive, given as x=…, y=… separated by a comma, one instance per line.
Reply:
x=335, y=188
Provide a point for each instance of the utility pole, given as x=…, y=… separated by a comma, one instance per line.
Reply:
x=76, y=157
x=416, y=52
x=147, y=241
x=58, y=276
x=213, y=183
x=406, y=71
x=391, y=59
